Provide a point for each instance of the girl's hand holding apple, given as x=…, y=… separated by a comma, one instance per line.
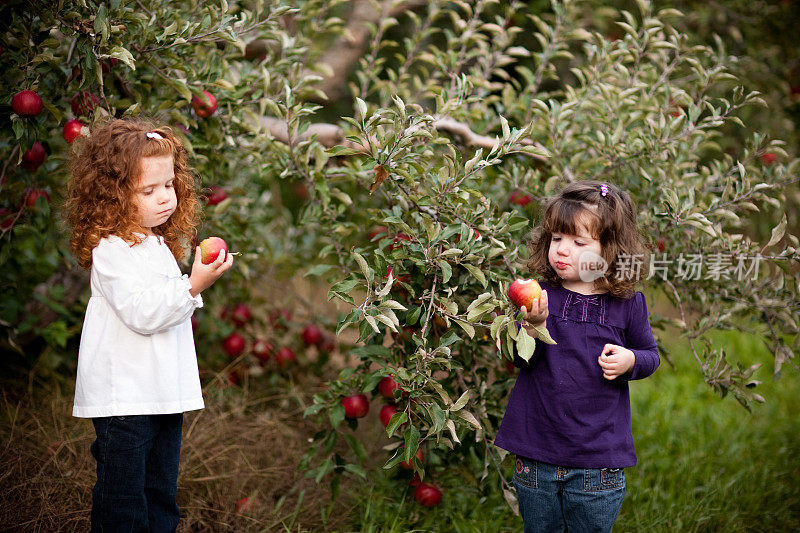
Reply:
x=204, y=275
x=538, y=313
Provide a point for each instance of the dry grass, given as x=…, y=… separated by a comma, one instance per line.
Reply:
x=241, y=445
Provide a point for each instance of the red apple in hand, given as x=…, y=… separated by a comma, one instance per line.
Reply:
x=386, y=414
x=427, y=495
x=34, y=156
x=210, y=248
x=27, y=104
x=72, y=130
x=523, y=292
x=205, y=106
x=233, y=344
x=355, y=406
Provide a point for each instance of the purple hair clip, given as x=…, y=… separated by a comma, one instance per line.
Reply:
x=603, y=189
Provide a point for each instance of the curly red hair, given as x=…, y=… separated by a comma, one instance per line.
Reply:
x=105, y=169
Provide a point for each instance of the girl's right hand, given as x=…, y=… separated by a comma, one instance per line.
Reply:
x=538, y=312
x=204, y=276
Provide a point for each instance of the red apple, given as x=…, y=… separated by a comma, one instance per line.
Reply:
x=520, y=198
x=661, y=244
x=31, y=195
x=84, y=103
x=427, y=495
x=284, y=356
x=386, y=414
x=419, y=455
x=376, y=231
x=241, y=315
x=72, y=130
x=355, y=406
x=34, y=156
x=215, y=195
x=414, y=481
x=329, y=344
x=234, y=344
x=107, y=64
x=768, y=158
x=386, y=387
x=396, y=241
x=524, y=292
x=205, y=106
x=210, y=248
x=312, y=335
x=27, y=104
x=262, y=349
x=279, y=318
x=246, y=505
x=6, y=218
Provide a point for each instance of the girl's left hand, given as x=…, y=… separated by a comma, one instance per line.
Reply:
x=616, y=361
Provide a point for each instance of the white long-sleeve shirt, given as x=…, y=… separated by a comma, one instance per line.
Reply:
x=137, y=353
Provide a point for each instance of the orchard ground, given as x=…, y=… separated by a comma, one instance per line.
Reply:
x=704, y=464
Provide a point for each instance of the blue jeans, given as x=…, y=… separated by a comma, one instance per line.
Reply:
x=137, y=473
x=553, y=498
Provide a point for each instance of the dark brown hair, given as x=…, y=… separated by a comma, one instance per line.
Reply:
x=609, y=217
x=105, y=169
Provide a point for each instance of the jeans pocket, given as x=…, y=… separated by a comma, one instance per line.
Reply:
x=598, y=479
x=525, y=472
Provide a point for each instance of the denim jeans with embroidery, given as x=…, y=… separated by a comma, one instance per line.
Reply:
x=137, y=473
x=577, y=500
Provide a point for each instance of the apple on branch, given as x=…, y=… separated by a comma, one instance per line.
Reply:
x=27, y=104
x=355, y=406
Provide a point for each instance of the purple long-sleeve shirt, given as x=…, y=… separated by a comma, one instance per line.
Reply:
x=562, y=410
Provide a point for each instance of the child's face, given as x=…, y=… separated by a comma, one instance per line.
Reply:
x=155, y=193
x=569, y=256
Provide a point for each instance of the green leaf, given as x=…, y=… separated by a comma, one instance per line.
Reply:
x=336, y=415
x=411, y=437
x=525, y=345
x=476, y=273
x=447, y=270
x=369, y=274
x=466, y=326
x=357, y=447
x=461, y=402
x=397, y=420
x=777, y=232
x=126, y=57
x=544, y=335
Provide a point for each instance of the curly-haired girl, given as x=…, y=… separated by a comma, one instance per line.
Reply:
x=133, y=209
x=568, y=419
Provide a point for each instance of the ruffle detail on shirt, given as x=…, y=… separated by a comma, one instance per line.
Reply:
x=198, y=300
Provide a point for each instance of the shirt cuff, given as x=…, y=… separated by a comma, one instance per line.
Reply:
x=198, y=300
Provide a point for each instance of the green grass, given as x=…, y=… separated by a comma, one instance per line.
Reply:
x=705, y=463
